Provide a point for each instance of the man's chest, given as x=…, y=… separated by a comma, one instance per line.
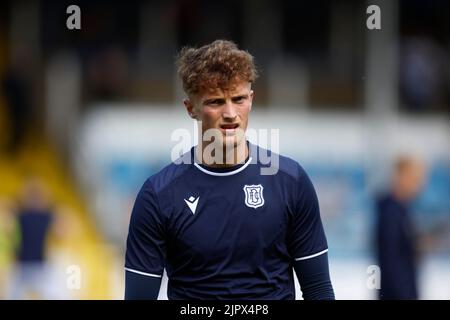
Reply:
x=214, y=219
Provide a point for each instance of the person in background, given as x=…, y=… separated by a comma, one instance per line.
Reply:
x=35, y=217
x=17, y=87
x=396, y=237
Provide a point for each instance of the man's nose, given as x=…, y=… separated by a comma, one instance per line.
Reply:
x=229, y=111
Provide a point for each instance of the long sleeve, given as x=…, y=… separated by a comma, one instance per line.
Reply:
x=314, y=278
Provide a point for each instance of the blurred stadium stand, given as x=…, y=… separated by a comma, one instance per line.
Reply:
x=104, y=101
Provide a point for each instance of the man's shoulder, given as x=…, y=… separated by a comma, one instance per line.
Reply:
x=285, y=165
x=386, y=202
x=168, y=174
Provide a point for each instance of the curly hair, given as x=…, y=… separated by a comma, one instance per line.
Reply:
x=219, y=64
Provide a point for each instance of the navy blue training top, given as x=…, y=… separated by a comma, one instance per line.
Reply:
x=225, y=233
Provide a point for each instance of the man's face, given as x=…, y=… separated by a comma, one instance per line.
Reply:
x=225, y=111
x=412, y=179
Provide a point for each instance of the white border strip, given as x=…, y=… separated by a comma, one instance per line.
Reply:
x=222, y=174
x=311, y=256
x=143, y=273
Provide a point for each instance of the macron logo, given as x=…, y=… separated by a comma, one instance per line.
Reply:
x=192, y=203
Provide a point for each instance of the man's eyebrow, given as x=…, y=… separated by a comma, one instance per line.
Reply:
x=244, y=95
x=213, y=99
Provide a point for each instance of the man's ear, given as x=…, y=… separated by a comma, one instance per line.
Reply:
x=190, y=109
x=251, y=99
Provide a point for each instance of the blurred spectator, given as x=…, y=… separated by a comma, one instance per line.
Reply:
x=16, y=85
x=396, y=235
x=108, y=74
x=421, y=75
x=35, y=218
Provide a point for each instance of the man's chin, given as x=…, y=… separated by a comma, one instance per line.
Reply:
x=232, y=142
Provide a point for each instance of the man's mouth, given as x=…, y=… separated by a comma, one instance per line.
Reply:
x=229, y=126
x=229, y=129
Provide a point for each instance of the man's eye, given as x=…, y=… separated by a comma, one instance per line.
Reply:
x=239, y=99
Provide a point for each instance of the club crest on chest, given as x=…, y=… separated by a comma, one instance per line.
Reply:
x=254, y=197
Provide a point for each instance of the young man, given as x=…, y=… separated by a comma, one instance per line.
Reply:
x=221, y=227
x=397, y=239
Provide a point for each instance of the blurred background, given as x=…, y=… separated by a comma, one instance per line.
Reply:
x=87, y=115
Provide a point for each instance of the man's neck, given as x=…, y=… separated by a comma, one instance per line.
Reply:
x=400, y=195
x=230, y=156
